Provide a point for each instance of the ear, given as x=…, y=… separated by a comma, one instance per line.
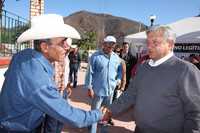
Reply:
x=171, y=44
x=44, y=47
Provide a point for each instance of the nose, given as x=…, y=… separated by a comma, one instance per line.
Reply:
x=149, y=45
x=63, y=52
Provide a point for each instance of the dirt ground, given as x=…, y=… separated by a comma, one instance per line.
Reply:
x=79, y=99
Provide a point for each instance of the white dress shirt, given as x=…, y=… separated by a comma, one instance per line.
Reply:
x=153, y=63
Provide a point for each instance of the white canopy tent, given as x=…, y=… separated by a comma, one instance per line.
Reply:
x=137, y=42
x=192, y=37
x=187, y=31
x=138, y=38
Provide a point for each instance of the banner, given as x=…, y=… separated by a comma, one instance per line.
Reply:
x=187, y=47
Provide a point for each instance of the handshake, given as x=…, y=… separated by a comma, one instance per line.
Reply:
x=106, y=115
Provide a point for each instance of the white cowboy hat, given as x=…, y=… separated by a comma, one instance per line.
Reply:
x=48, y=26
x=69, y=41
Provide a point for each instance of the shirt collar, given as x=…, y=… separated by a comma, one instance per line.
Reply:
x=160, y=61
x=45, y=63
x=101, y=51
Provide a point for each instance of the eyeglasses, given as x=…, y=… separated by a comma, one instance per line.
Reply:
x=57, y=43
x=155, y=42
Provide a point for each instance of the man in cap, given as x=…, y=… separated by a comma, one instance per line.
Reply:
x=29, y=91
x=102, y=76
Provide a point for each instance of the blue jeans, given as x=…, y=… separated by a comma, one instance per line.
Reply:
x=97, y=102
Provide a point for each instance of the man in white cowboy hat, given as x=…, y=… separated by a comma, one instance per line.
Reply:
x=102, y=76
x=51, y=125
x=29, y=92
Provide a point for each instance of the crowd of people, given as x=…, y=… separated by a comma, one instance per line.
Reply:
x=162, y=89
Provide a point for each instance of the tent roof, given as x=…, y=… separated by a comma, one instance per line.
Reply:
x=187, y=31
x=186, y=26
x=138, y=38
x=193, y=37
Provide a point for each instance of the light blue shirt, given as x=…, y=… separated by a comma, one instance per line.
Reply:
x=29, y=92
x=103, y=73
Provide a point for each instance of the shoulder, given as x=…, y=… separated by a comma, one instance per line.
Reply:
x=175, y=61
x=130, y=55
x=116, y=56
x=142, y=64
x=117, y=59
x=96, y=54
x=25, y=55
x=182, y=67
x=122, y=61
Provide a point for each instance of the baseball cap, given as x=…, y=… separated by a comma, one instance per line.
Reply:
x=110, y=39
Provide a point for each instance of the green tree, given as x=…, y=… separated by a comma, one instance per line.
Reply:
x=88, y=41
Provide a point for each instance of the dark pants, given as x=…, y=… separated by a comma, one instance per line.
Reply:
x=137, y=130
x=52, y=125
x=115, y=93
x=3, y=130
x=73, y=73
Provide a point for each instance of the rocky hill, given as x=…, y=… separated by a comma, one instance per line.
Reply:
x=103, y=24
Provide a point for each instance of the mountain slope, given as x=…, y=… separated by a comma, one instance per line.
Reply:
x=103, y=24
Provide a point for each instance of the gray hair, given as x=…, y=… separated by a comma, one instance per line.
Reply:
x=168, y=33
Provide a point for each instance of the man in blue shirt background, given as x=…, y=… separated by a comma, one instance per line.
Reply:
x=29, y=91
x=101, y=78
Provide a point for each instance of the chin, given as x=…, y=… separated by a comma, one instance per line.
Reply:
x=60, y=60
x=150, y=56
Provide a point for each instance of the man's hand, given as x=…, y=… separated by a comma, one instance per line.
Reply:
x=118, y=82
x=91, y=93
x=106, y=113
x=69, y=89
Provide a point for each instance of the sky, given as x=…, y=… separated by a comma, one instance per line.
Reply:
x=166, y=11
